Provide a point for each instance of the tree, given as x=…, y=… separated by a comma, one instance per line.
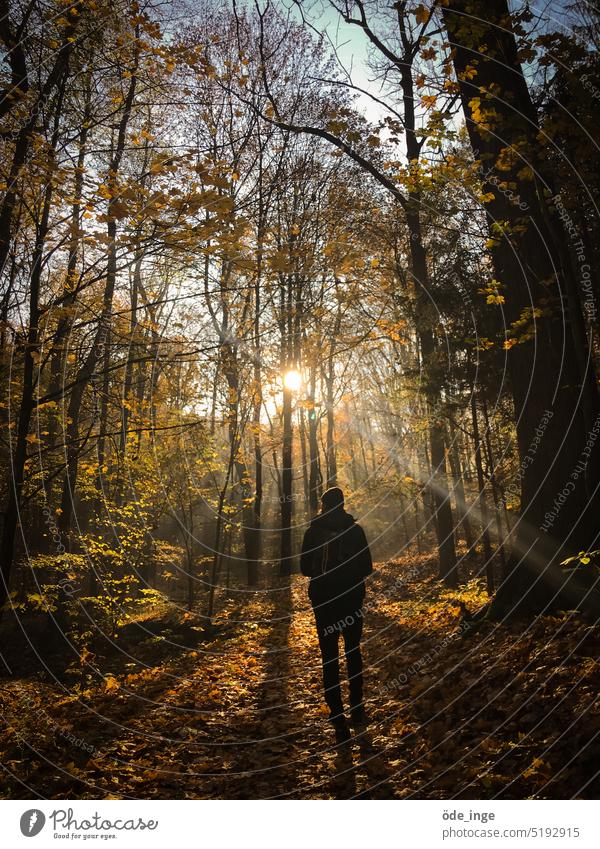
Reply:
x=337, y=125
x=547, y=351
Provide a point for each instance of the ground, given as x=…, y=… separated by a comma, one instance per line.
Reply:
x=509, y=712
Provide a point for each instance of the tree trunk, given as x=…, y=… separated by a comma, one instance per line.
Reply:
x=285, y=564
x=331, y=452
x=459, y=488
x=100, y=344
x=554, y=401
x=58, y=354
x=253, y=551
x=487, y=547
x=438, y=485
x=19, y=457
x=329, y=378
x=315, y=481
x=495, y=487
x=25, y=135
x=304, y=457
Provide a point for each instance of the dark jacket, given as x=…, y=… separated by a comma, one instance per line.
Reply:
x=336, y=558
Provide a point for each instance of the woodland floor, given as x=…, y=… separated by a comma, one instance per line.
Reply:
x=512, y=711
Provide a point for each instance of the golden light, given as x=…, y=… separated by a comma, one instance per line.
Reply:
x=292, y=380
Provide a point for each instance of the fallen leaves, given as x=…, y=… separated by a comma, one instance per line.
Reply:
x=110, y=684
x=242, y=715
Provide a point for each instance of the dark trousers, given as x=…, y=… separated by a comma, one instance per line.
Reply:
x=329, y=629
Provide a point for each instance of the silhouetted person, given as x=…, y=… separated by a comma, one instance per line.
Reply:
x=337, y=559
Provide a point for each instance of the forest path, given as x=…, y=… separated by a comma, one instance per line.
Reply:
x=243, y=716
x=252, y=722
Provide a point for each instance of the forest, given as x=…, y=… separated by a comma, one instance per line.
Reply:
x=251, y=250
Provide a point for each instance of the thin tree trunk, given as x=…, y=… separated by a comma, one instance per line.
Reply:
x=58, y=355
x=23, y=140
x=99, y=348
x=19, y=457
x=315, y=478
x=304, y=458
x=285, y=566
x=487, y=548
x=459, y=489
x=495, y=488
x=444, y=523
x=255, y=548
x=329, y=378
x=218, y=553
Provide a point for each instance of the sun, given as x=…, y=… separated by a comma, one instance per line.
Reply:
x=292, y=380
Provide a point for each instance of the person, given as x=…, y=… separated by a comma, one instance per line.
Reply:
x=336, y=557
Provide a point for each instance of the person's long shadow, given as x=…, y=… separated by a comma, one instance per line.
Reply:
x=343, y=783
x=269, y=753
x=372, y=765
x=361, y=771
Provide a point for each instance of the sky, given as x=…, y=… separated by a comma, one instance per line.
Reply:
x=350, y=45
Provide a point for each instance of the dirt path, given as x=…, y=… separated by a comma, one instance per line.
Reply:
x=243, y=717
x=252, y=723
